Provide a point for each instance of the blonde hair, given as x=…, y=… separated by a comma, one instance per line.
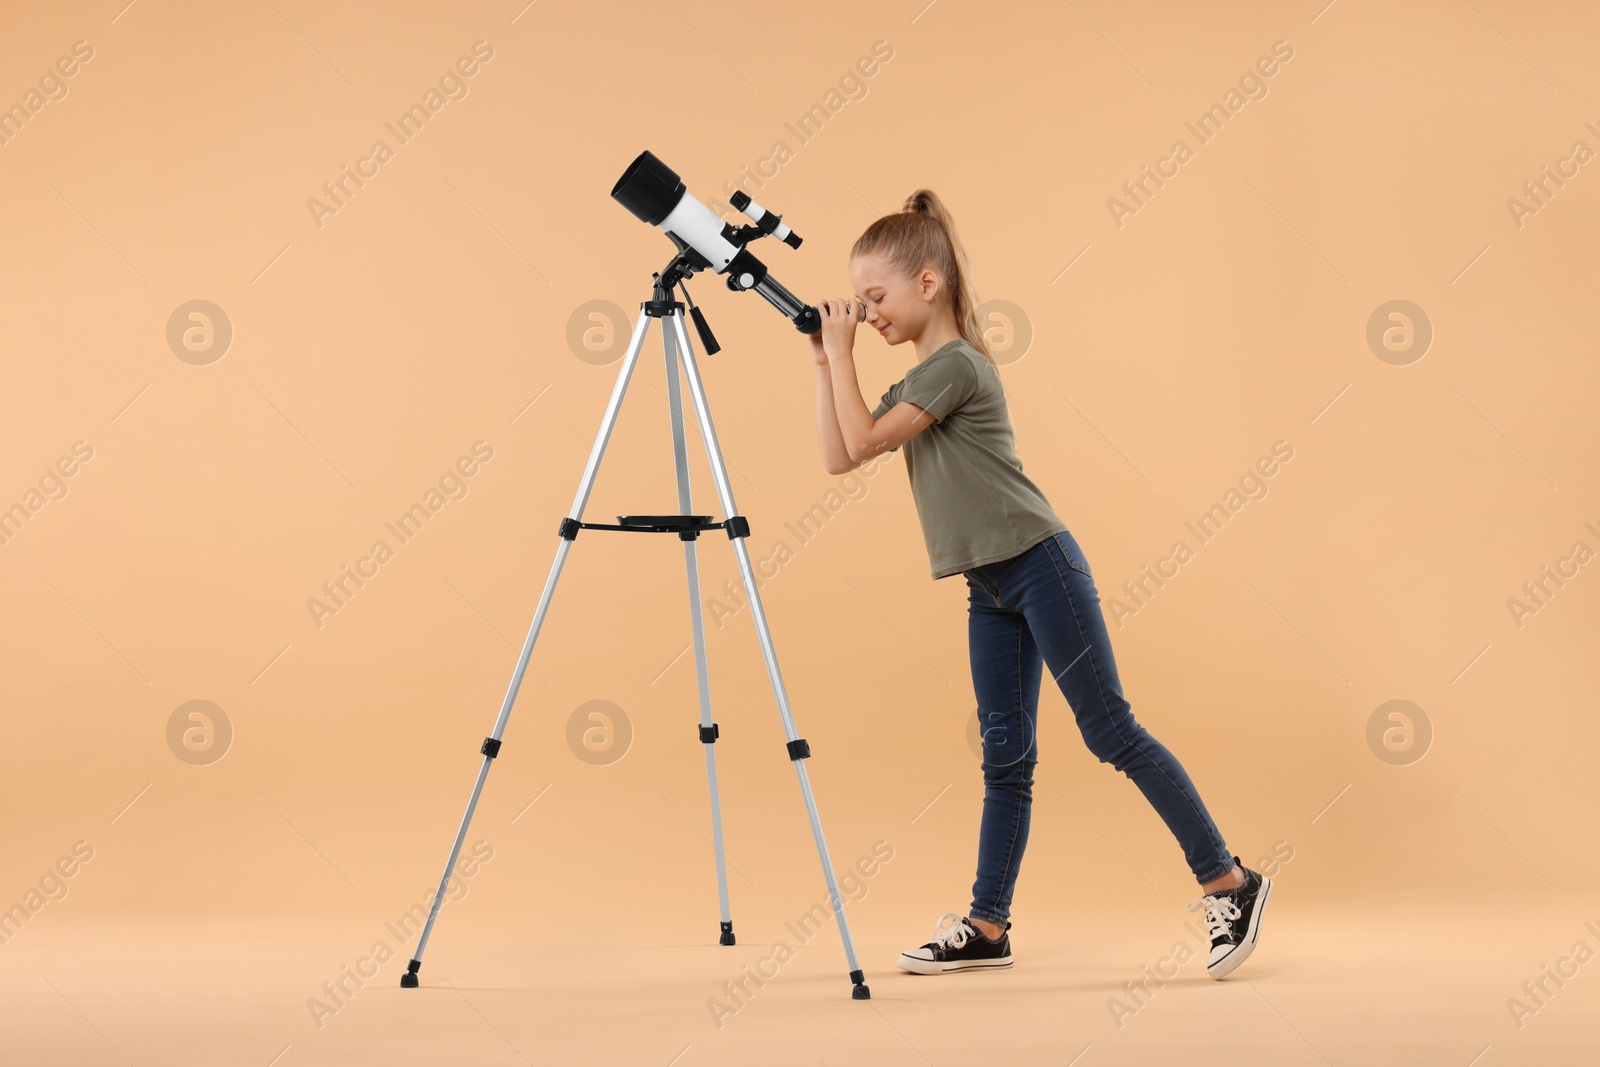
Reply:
x=922, y=234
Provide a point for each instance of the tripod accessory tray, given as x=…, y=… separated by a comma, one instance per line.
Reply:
x=687, y=527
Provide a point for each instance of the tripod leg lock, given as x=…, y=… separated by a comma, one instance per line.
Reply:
x=799, y=749
x=569, y=528
x=737, y=526
x=491, y=747
x=708, y=734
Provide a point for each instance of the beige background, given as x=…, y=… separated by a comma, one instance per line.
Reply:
x=436, y=308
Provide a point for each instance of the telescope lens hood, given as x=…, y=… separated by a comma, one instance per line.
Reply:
x=648, y=188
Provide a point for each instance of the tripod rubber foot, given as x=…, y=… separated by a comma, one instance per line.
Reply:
x=409, y=979
x=860, y=992
x=727, y=934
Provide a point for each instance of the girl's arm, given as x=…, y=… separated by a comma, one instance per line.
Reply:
x=863, y=436
x=835, y=456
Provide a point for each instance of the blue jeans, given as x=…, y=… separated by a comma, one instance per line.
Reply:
x=1038, y=607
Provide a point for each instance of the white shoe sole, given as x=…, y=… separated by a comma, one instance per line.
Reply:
x=916, y=966
x=1241, y=952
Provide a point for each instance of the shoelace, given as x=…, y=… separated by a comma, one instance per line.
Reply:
x=957, y=934
x=1220, y=912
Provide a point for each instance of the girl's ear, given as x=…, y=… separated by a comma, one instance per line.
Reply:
x=928, y=283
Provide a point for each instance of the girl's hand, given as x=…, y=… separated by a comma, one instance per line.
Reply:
x=818, y=353
x=839, y=318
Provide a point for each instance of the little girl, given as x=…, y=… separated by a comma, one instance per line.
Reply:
x=1032, y=598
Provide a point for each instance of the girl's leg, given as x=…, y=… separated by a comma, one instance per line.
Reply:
x=1006, y=672
x=1052, y=587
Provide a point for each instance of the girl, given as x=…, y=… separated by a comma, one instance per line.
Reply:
x=1032, y=598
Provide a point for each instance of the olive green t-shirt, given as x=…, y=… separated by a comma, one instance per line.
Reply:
x=975, y=503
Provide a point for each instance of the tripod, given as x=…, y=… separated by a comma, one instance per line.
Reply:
x=688, y=528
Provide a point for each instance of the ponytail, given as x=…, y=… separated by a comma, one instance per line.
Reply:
x=923, y=235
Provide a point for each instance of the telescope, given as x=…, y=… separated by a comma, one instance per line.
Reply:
x=655, y=195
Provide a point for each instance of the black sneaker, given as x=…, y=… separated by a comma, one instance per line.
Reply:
x=1233, y=917
x=958, y=947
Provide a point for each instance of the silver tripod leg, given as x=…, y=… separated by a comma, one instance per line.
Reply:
x=491, y=744
x=708, y=728
x=798, y=749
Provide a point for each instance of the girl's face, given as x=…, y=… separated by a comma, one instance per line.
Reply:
x=897, y=307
